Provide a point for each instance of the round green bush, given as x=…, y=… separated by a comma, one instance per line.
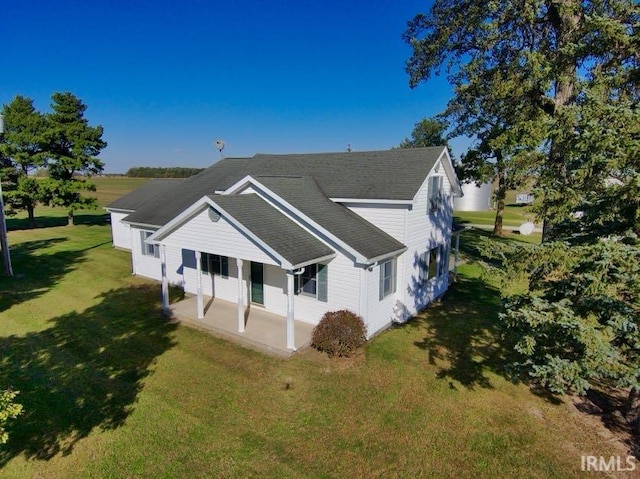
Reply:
x=339, y=333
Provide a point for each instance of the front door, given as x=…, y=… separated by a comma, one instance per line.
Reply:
x=257, y=283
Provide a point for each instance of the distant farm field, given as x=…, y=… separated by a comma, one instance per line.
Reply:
x=108, y=189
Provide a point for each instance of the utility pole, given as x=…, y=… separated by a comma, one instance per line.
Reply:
x=4, y=243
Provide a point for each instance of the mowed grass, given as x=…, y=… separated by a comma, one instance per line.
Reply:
x=514, y=215
x=113, y=390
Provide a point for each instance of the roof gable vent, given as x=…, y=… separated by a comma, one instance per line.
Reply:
x=214, y=215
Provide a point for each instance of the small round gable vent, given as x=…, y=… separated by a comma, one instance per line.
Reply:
x=213, y=215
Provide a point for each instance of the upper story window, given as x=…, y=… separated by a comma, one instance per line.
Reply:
x=146, y=248
x=214, y=264
x=434, y=193
x=313, y=281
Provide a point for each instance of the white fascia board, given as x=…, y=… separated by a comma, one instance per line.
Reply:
x=141, y=225
x=314, y=261
x=370, y=201
x=117, y=210
x=451, y=172
x=266, y=191
x=238, y=185
x=382, y=257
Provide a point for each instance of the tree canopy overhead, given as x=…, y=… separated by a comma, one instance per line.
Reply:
x=426, y=132
x=22, y=146
x=544, y=60
x=62, y=142
x=551, y=89
x=72, y=149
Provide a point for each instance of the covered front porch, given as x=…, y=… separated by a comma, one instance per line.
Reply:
x=262, y=330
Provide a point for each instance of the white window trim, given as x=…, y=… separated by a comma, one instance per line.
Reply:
x=435, y=201
x=424, y=263
x=301, y=290
x=152, y=250
x=209, y=257
x=382, y=293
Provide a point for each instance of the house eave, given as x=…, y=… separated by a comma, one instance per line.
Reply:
x=141, y=225
x=118, y=210
x=313, y=261
x=384, y=256
x=379, y=201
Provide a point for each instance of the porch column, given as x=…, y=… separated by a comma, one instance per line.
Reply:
x=291, y=344
x=240, y=297
x=165, y=281
x=200, y=300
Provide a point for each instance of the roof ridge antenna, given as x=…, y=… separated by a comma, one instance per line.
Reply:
x=220, y=144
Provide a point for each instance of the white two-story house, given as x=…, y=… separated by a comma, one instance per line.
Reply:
x=300, y=234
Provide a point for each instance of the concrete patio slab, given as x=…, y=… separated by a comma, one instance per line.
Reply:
x=264, y=331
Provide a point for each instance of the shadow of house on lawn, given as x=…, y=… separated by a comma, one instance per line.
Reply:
x=462, y=335
x=82, y=373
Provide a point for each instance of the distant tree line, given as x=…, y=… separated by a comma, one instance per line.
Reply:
x=61, y=142
x=157, y=172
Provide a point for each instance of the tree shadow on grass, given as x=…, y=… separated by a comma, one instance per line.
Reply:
x=88, y=218
x=462, y=336
x=36, y=271
x=82, y=373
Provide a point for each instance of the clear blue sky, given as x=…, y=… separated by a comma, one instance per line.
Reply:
x=167, y=78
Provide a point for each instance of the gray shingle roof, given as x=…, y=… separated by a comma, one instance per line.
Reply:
x=389, y=175
x=280, y=233
x=305, y=195
x=138, y=197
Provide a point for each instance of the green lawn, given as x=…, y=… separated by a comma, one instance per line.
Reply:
x=111, y=389
x=514, y=215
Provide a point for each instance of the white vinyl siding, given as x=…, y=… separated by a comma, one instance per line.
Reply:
x=220, y=237
x=143, y=264
x=425, y=231
x=389, y=218
x=380, y=313
x=213, y=285
x=343, y=291
x=120, y=232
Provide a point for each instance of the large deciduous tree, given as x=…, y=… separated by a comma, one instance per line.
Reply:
x=72, y=149
x=552, y=50
x=506, y=133
x=426, y=132
x=574, y=67
x=22, y=147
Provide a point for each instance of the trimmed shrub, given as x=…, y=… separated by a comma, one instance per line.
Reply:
x=339, y=333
